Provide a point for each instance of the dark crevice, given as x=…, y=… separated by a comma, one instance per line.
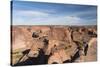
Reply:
x=41, y=59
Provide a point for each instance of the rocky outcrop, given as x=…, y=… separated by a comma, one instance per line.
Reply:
x=49, y=44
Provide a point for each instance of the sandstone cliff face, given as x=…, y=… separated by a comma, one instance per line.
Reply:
x=49, y=44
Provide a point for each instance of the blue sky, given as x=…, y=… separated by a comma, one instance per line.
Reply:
x=37, y=13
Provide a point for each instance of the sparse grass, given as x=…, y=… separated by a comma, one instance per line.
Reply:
x=17, y=51
x=16, y=55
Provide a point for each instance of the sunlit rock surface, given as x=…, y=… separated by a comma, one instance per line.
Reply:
x=32, y=45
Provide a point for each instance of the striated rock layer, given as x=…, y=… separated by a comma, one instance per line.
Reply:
x=32, y=45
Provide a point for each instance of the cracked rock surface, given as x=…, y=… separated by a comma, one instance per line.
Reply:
x=34, y=45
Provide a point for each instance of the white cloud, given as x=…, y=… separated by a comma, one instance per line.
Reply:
x=73, y=19
x=64, y=20
x=32, y=13
x=30, y=17
x=22, y=17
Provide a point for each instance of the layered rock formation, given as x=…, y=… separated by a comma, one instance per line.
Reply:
x=50, y=44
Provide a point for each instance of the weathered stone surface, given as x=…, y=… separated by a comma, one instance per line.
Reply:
x=52, y=44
